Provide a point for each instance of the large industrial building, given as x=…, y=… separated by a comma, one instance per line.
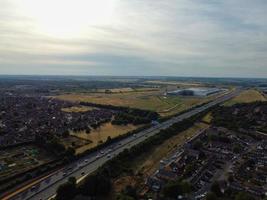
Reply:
x=194, y=91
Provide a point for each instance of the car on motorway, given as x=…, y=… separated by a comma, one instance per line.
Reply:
x=109, y=156
x=33, y=188
x=102, y=152
x=83, y=173
x=47, y=180
x=86, y=161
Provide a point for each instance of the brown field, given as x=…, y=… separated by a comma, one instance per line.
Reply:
x=246, y=97
x=78, y=109
x=101, y=134
x=207, y=118
x=151, y=100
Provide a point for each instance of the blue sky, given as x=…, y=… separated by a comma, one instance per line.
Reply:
x=221, y=38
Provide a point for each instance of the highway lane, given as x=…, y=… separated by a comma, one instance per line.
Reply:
x=88, y=164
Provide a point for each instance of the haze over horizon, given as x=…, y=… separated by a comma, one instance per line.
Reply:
x=132, y=37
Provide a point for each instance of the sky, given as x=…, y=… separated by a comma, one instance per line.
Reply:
x=203, y=38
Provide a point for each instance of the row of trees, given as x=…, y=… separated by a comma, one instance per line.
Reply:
x=127, y=114
x=124, y=119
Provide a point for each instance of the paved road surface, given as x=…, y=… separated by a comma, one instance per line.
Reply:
x=47, y=188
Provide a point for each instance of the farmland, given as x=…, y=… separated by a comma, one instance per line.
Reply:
x=78, y=109
x=247, y=96
x=151, y=100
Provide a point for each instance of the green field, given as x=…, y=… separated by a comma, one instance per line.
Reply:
x=151, y=100
x=247, y=96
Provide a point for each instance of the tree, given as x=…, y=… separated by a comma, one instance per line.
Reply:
x=124, y=197
x=211, y=196
x=66, y=191
x=237, y=148
x=197, y=145
x=215, y=188
x=65, y=134
x=108, y=140
x=230, y=178
x=96, y=185
x=72, y=180
x=175, y=188
x=130, y=191
x=243, y=196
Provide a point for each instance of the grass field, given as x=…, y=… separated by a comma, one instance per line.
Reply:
x=151, y=100
x=246, y=97
x=78, y=109
x=207, y=118
x=101, y=134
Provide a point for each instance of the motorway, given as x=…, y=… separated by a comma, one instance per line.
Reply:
x=46, y=187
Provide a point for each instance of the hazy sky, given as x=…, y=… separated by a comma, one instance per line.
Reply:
x=134, y=37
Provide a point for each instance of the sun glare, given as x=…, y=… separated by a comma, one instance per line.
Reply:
x=68, y=18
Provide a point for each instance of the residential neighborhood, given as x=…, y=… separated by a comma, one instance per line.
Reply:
x=235, y=161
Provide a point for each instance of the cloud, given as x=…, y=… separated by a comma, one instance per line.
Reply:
x=171, y=37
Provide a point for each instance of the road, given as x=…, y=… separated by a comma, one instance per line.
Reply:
x=46, y=188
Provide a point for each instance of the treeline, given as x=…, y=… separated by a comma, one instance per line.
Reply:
x=127, y=115
x=121, y=164
x=124, y=119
